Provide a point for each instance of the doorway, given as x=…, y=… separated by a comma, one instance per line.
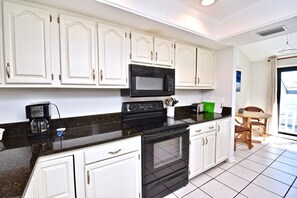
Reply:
x=287, y=100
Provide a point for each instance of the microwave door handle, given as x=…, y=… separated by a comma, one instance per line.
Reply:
x=166, y=87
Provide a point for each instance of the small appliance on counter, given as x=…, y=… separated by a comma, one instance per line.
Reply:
x=197, y=108
x=39, y=115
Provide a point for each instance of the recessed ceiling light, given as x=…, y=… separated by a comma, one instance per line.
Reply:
x=207, y=2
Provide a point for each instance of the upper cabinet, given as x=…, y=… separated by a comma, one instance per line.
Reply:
x=26, y=43
x=192, y=73
x=147, y=49
x=78, y=50
x=185, y=65
x=205, y=68
x=112, y=55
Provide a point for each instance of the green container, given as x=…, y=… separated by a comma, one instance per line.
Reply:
x=208, y=106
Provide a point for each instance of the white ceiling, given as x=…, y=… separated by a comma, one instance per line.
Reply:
x=226, y=23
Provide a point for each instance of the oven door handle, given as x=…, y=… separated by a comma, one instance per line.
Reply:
x=165, y=134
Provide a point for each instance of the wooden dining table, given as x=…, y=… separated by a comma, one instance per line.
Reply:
x=248, y=115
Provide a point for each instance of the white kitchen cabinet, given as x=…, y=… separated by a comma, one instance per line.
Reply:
x=151, y=50
x=205, y=68
x=113, y=68
x=114, y=169
x=142, y=47
x=222, y=140
x=202, y=148
x=185, y=65
x=164, y=52
x=78, y=50
x=55, y=178
x=32, y=189
x=27, y=44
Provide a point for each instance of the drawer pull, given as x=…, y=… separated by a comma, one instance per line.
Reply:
x=198, y=131
x=211, y=127
x=114, y=152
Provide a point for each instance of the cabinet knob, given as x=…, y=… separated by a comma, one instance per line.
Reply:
x=114, y=152
x=8, y=70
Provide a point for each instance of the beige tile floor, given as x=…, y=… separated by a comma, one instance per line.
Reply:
x=267, y=170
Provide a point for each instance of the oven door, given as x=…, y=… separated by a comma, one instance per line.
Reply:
x=165, y=160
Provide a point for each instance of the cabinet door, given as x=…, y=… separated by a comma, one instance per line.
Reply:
x=26, y=44
x=55, y=178
x=209, y=150
x=196, y=155
x=185, y=64
x=114, y=177
x=222, y=140
x=112, y=55
x=163, y=52
x=141, y=47
x=32, y=189
x=204, y=68
x=78, y=50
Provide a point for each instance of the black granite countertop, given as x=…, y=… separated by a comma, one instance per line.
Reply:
x=18, y=154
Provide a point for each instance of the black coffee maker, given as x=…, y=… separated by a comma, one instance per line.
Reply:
x=39, y=115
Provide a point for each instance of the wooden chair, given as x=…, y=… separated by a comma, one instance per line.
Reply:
x=243, y=134
x=257, y=122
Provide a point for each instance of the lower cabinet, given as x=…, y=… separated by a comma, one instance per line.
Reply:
x=114, y=170
x=114, y=177
x=209, y=144
x=202, y=148
x=53, y=178
x=107, y=170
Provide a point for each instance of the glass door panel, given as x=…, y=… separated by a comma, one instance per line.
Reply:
x=287, y=100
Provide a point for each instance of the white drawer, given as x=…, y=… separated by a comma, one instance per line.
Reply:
x=197, y=129
x=210, y=126
x=112, y=149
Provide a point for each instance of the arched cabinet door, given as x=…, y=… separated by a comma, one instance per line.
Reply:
x=113, y=68
x=78, y=50
x=26, y=44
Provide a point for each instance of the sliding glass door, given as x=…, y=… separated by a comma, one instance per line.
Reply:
x=287, y=100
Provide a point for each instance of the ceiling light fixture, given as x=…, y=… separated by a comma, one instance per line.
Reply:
x=207, y=2
x=288, y=49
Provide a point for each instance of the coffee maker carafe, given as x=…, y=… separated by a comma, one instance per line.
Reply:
x=39, y=116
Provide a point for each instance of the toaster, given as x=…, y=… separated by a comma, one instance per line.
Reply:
x=197, y=108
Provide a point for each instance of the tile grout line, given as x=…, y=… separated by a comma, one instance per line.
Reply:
x=264, y=175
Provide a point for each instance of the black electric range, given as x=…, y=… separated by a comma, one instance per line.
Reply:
x=165, y=147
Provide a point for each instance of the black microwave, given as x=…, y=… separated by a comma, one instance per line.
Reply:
x=148, y=81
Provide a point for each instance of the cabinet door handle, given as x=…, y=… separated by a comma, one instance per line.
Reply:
x=202, y=141
x=156, y=56
x=198, y=79
x=198, y=131
x=219, y=128
x=114, y=152
x=152, y=55
x=8, y=70
x=93, y=74
x=101, y=74
x=206, y=141
x=88, y=177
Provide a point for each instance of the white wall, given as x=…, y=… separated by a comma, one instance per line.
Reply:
x=259, y=84
x=243, y=64
x=74, y=102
